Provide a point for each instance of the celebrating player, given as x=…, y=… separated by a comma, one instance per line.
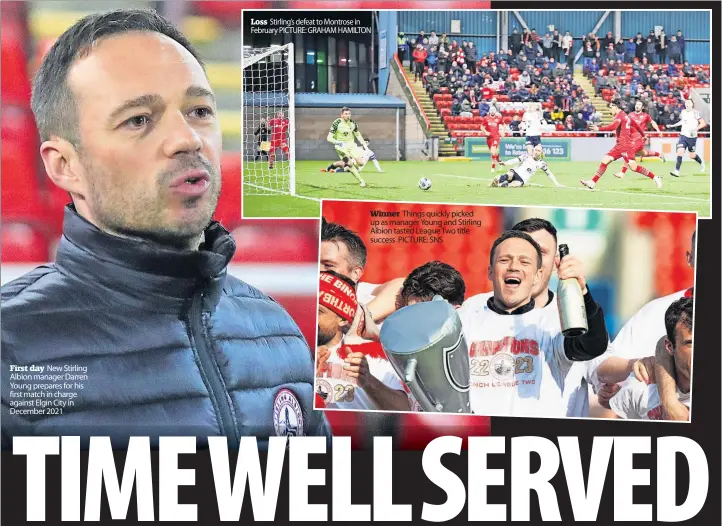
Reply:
x=532, y=121
x=528, y=166
x=493, y=127
x=342, y=135
x=279, y=128
x=518, y=364
x=691, y=122
x=350, y=376
x=623, y=148
x=643, y=119
x=640, y=401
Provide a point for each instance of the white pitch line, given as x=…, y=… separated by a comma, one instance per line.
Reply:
x=584, y=189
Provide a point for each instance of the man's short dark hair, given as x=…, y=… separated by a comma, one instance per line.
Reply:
x=52, y=100
x=345, y=108
x=434, y=278
x=679, y=311
x=534, y=224
x=336, y=233
x=510, y=234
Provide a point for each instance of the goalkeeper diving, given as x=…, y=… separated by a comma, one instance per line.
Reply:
x=343, y=134
x=528, y=166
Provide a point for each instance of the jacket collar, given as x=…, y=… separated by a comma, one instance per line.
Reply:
x=143, y=270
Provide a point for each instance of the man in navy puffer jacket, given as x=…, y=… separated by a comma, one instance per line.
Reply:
x=137, y=323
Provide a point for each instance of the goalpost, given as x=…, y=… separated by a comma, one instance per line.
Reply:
x=269, y=152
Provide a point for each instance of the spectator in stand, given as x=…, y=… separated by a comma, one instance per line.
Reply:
x=557, y=115
x=433, y=39
x=547, y=45
x=569, y=123
x=630, y=50
x=662, y=43
x=432, y=58
x=433, y=85
x=589, y=52
x=420, y=38
x=702, y=77
x=455, y=69
x=680, y=39
x=515, y=42
x=593, y=68
x=620, y=50
x=444, y=39
x=601, y=83
x=530, y=50
x=559, y=71
x=547, y=71
x=675, y=50
x=609, y=39
x=672, y=69
x=609, y=54
x=495, y=72
x=579, y=123
x=472, y=55
x=426, y=45
x=484, y=108
x=420, y=55
x=640, y=43
x=650, y=50
x=442, y=59
x=515, y=126
x=466, y=108
x=568, y=47
x=556, y=45
x=525, y=37
x=547, y=115
x=637, y=66
x=596, y=117
x=587, y=108
x=524, y=79
x=665, y=116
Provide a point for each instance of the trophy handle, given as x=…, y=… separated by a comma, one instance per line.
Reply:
x=410, y=379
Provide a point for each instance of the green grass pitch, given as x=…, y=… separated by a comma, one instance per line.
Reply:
x=467, y=182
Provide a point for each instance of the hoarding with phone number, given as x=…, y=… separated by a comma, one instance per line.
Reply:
x=554, y=148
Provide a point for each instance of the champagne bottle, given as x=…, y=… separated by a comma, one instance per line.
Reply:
x=570, y=301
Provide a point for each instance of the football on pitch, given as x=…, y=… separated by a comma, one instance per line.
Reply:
x=424, y=183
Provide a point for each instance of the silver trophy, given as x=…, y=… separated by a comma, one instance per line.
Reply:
x=426, y=346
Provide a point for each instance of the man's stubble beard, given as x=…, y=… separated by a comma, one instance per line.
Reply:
x=141, y=218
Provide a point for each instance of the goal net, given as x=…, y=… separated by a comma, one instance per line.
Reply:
x=269, y=150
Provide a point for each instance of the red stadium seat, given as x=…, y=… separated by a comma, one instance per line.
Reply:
x=22, y=243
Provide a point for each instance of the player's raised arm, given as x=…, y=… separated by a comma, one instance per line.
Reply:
x=609, y=127
x=615, y=369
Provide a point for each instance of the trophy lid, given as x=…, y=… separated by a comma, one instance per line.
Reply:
x=414, y=328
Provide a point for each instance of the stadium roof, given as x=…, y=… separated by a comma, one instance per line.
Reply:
x=323, y=100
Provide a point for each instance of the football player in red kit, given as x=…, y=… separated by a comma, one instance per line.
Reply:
x=493, y=127
x=278, y=127
x=643, y=119
x=624, y=148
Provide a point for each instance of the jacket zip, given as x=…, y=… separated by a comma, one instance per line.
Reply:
x=217, y=390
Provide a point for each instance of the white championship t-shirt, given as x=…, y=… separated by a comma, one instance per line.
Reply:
x=518, y=364
x=639, y=336
x=690, y=121
x=364, y=292
x=639, y=401
x=336, y=389
x=574, y=395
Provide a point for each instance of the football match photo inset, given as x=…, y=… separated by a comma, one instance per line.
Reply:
x=580, y=109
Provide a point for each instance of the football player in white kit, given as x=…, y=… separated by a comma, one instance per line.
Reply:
x=519, y=360
x=528, y=166
x=350, y=376
x=637, y=340
x=640, y=401
x=532, y=122
x=691, y=122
